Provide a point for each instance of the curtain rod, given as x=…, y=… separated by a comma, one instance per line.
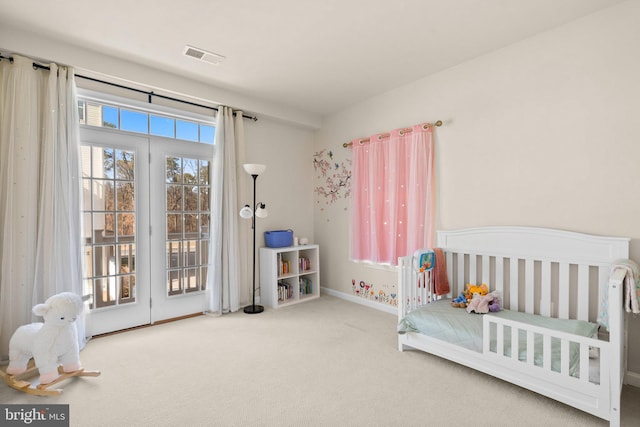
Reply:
x=149, y=94
x=387, y=135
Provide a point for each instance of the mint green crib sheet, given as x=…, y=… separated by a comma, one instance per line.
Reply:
x=454, y=325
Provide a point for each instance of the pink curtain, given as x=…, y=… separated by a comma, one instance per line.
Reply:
x=392, y=199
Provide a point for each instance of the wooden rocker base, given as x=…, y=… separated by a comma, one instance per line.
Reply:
x=22, y=383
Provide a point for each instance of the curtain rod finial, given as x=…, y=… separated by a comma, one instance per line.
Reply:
x=439, y=123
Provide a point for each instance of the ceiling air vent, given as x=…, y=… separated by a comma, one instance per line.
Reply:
x=202, y=55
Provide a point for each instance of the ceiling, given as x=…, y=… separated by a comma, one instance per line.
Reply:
x=317, y=56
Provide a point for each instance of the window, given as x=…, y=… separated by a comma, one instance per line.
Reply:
x=102, y=114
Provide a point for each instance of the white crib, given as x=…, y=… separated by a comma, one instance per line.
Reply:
x=551, y=273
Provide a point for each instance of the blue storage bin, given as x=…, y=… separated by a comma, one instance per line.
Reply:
x=278, y=238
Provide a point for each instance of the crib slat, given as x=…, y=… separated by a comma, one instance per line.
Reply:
x=584, y=362
x=563, y=291
x=499, y=286
x=515, y=351
x=583, y=292
x=460, y=278
x=486, y=270
x=473, y=270
x=530, y=348
x=564, y=357
x=449, y=258
x=500, y=339
x=545, y=297
x=603, y=282
x=413, y=291
x=546, y=352
x=513, y=283
x=425, y=290
x=529, y=286
x=408, y=285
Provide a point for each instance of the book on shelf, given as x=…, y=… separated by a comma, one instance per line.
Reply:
x=284, y=266
x=285, y=291
x=304, y=264
x=306, y=286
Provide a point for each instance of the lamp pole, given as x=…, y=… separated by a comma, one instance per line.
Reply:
x=253, y=308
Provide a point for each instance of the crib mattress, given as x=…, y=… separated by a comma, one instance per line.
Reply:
x=454, y=325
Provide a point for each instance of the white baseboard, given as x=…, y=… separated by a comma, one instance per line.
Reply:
x=378, y=306
x=632, y=378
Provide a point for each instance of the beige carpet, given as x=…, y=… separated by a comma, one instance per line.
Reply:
x=325, y=362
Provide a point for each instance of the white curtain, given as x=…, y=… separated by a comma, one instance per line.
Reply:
x=40, y=191
x=228, y=278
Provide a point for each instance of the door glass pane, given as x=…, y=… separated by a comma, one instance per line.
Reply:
x=190, y=171
x=191, y=279
x=126, y=227
x=174, y=226
x=124, y=165
x=174, y=198
x=203, y=172
x=174, y=281
x=109, y=225
x=173, y=255
x=174, y=169
x=125, y=196
x=187, y=220
x=204, y=197
x=191, y=198
x=104, y=158
x=127, y=287
x=105, y=223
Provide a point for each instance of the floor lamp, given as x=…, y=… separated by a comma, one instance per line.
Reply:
x=247, y=212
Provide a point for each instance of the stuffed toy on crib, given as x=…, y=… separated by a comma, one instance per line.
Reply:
x=465, y=297
x=50, y=343
x=482, y=304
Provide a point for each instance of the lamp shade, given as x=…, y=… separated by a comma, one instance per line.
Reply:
x=246, y=212
x=261, y=212
x=254, y=169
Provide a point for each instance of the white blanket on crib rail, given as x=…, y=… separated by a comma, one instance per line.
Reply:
x=631, y=291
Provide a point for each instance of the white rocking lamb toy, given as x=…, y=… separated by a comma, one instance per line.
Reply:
x=50, y=343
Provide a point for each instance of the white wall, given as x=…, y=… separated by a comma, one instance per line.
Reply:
x=541, y=133
x=285, y=186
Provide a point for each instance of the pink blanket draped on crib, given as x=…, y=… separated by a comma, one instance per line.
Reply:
x=440, y=282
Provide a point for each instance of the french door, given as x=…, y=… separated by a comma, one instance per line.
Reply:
x=115, y=181
x=180, y=191
x=146, y=228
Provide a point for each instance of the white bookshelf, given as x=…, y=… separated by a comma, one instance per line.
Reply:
x=289, y=275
